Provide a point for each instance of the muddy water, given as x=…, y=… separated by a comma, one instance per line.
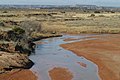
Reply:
x=50, y=55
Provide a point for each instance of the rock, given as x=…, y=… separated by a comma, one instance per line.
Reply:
x=9, y=61
x=8, y=46
x=20, y=42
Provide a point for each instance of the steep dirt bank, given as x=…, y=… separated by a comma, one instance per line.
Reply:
x=104, y=51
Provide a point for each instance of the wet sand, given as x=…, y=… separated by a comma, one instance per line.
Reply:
x=18, y=75
x=103, y=51
x=70, y=39
x=60, y=74
x=82, y=64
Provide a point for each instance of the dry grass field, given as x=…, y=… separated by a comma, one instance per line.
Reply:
x=67, y=22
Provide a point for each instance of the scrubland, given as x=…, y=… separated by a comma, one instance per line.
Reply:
x=19, y=28
x=67, y=22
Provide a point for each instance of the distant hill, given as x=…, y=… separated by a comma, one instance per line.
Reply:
x=80, y=7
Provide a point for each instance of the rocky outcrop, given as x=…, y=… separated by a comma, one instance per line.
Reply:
x=9, y=61
x=7, y=47
x=12, y=41
x=14, y=50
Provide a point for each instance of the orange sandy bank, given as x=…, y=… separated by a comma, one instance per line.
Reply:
x=103, y=51
x=18, y=75
x=60, y=74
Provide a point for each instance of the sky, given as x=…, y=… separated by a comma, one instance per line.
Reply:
x=114, y=3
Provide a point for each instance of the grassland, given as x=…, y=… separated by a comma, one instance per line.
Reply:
x=100, y=23
x=67, y=22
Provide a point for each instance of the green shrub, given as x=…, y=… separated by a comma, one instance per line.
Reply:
x=96, y=11
x=101, y=15
x=18, y=30
x=2, y=23
x=5, y=12
x=92, y=15
x=112, y=11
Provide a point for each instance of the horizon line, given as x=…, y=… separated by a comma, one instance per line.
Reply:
x=60, y=5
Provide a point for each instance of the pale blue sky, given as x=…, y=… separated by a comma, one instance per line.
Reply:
x=63, y=2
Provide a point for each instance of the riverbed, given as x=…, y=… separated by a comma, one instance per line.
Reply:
x=49, y=55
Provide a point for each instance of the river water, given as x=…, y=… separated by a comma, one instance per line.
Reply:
x=50, y=55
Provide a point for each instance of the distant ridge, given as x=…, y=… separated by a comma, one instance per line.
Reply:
x=77, y=6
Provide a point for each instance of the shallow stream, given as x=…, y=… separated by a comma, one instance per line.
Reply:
x=50, y=55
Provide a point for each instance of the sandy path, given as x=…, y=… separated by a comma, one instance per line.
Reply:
x=104, y=51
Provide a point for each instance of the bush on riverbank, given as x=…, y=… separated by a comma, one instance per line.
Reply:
x=31, y=26
x=18, y=30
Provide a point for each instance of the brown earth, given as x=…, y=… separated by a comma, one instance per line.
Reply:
x=18, y=75
x=103, y=51
x=60, y=74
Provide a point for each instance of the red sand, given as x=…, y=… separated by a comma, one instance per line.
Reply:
x=104, y=51
x=60, y=74
x=18, y=75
